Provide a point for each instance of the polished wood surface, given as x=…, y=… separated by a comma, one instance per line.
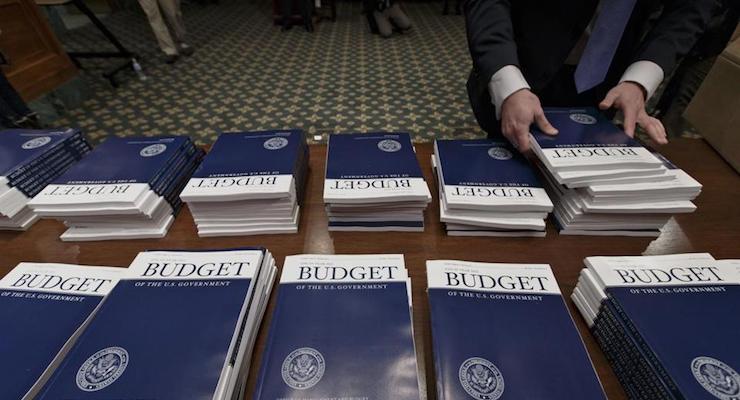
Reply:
x=37, y=61
x=714, y=228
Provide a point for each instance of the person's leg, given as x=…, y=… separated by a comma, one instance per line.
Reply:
x=151, y=9
x=385, y=29
x=398, y=16
x=173, y=13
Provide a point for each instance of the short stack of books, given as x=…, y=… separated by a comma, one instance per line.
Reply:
x=46, y=307
x=342, y=329
x=180, y=325
x=486, y=188
x=126, y=188
x=374, y=183
x=667, y=324
x=29, y=160
x=250, y=183
x=605, y=183
x=500, y=330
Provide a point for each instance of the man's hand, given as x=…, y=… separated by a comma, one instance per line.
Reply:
x=629, y=97
x=518, y=112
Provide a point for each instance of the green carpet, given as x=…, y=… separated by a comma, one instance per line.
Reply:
x=248, y=75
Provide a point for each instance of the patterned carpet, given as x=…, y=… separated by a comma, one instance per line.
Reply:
x=247, y=75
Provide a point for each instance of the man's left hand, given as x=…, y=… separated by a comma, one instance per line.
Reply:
x=629, y=97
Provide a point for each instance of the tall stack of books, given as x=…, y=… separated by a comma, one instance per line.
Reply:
x=342, y=329
x=46, y=307
x=374, y=183
x=606, y=183
x=250, y=183
x=180, y=325
x=513, y=354
x=486, y=188
x=125, y=188
x=29, y=160
x=667, y=324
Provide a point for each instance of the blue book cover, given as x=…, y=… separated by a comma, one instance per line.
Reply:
x=75, y=146
x=167, y=331
x=581, y=127
x=119, y=172
x=371, y=156
x=487, y=174
x=377, y=166
x=125, y=160
x=341, y=330
x=253, y=153
x=45, y=307
x=680, y=309
x=241, y=165
x=587, y=138
x=500, y=331
x=20, y=146
x=483, y=162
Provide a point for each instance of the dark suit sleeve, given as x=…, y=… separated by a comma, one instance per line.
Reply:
x=676, y=30
x=490, y=36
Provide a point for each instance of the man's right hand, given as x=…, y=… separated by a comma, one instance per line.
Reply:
x=518, y=112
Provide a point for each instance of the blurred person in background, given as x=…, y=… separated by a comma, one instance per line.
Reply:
x=387, y=16
x=170, y=30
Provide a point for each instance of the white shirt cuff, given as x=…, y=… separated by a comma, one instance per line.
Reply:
x=504, y=82
x=647, y=74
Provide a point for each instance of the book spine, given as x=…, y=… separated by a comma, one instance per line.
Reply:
x=640, y=373
x=32, y=164
x=267, y=352
x=165, y=177
x=34, y=185
x=173, y=197
x=42, y=165
x=606, y=341
x=439, y=363
x=641, y=344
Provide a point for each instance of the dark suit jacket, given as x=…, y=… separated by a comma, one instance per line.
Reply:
x=538, y=35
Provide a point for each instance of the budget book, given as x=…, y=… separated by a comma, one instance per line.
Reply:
x=45, y=308
x=181, y=325
x=373, y=182
x=250, y=183
x=341, y=329
x=486, y=188
x=668, y=324
x=503, y=331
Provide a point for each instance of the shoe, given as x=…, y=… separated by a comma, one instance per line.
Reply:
x=186, y=50
x=170, y=58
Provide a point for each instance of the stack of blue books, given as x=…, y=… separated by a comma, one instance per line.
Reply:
x=668, y=324
x=503, y=331
x=46, y=307
x=126, y=188
x=373, y=183
x=180, y=325
x=29, y=160
x=606, y=183
x=487, y=188
x=250, y=183
x=341, y=329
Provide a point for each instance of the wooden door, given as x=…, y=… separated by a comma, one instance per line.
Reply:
x=38, y=63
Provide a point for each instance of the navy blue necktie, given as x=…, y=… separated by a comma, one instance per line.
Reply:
x=602, y=44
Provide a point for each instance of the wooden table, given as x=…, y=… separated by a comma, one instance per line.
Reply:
x=714, y=228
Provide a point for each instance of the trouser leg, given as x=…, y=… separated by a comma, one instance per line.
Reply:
x=164, y=39
x=173, y=14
